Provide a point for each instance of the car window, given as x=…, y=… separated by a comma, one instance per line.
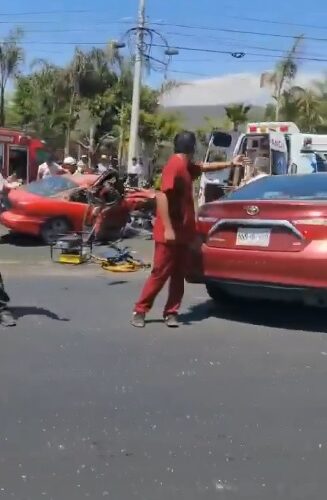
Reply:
x=283, y=187
x=50, y=186
x=321, y=162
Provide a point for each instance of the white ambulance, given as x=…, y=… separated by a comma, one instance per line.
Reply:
x=274, y=147
x=308, y=153
x=265, y=143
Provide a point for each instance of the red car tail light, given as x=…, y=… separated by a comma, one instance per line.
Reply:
x=314, y=228
x=205, y=218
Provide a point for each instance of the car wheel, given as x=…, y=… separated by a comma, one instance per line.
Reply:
x=54, y=228
x=219, y=297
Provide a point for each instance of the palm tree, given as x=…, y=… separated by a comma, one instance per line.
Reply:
x=237, y=114
x=309, y=110
x=169, y=85
x=283, y=75
x=73, y=76
x=11, y=56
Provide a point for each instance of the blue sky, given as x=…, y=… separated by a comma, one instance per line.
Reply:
x=53, y=35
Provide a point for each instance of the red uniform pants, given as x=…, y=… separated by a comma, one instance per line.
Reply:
x=169, y=264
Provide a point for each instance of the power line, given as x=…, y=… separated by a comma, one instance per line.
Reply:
x=193, y=49
x=214, y=51
x=281, y=23
x=234, y=42
x=40, y=12
x=244, y=32
x=91, y=29
x=89, y=11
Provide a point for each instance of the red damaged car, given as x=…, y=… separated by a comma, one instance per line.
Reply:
x=267, y=240
x=57, y=205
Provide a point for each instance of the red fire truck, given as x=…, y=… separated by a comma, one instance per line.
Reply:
x=20, y=154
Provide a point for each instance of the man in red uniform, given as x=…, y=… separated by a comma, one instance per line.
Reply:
x=174, y=230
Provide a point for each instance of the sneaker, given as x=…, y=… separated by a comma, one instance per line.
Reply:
x=6, y=318
x=171, y=320
x=138, y=320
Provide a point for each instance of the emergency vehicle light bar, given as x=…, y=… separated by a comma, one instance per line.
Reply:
x=266, y=127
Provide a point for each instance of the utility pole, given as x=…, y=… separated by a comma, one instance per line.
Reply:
x=134, y=130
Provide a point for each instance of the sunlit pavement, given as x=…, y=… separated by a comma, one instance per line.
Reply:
x=229, y=406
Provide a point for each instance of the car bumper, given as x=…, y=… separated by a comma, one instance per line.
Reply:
x=306, y=268
x=268, y=291
x=21, y=223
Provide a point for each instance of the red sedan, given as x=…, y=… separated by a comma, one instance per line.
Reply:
x=268, y=240
x=58, y=205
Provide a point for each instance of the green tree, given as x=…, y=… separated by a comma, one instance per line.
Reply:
x=41, y=102
x=89, y=102
x=283, y=75
x=237, y=115
x=309, y=111
x=11, y=57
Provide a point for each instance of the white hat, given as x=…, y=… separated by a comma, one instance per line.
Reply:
x=104, y=157
x=69, y=160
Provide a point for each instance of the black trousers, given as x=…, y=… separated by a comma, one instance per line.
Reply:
x=4, y=297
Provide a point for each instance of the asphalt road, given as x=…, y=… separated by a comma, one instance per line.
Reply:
x=230, y=406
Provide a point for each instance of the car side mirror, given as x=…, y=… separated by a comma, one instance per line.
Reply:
x=221, y=139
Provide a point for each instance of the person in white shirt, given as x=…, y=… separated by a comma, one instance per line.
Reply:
x=8, y=184
x=81, y=167
x=135, y=172
x=49, y=169
x=69, y=165
x=103, y=166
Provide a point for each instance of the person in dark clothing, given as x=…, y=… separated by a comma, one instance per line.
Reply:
x=6, y=317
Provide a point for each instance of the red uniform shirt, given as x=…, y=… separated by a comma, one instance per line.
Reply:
x=177, y=184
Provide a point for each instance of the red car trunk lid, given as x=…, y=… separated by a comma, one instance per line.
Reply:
x=282, y=226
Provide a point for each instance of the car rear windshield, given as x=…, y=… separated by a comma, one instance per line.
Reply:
x=283, y=187
x=50, y=186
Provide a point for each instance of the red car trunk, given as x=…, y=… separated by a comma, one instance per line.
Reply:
x=281, y=226
x=272, y=233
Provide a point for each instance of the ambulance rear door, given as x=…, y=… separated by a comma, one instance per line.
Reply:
x=278, y=154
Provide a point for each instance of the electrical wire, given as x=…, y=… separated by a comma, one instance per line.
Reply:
x=215, y=51
x=234, y=42
x=40, y=12
x=244, y=32
x=281, y=23
x=182, y=48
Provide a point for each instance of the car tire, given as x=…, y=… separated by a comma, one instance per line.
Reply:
x=220, y=298
x=54, y=228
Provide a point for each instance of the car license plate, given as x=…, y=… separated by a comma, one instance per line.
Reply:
x=253, y=237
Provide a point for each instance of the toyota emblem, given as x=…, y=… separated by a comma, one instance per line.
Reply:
x=252, y=210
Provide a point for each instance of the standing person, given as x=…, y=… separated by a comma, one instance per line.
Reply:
x=81, y=168
x=141, y=172
x=174, y=229
x=134, y=173
x=85, y=160
x=49, y=168
x=103, y=165
x=69, y=165
x=6, y=317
